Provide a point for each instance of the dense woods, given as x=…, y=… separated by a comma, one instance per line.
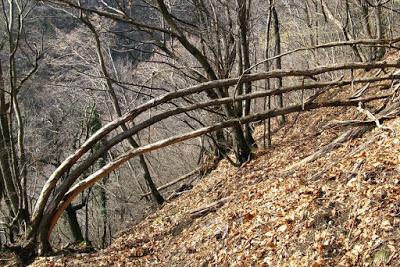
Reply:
x=106, y=105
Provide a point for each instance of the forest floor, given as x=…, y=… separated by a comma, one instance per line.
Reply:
x=343, y=209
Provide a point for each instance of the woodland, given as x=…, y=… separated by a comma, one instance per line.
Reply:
x=112, y=109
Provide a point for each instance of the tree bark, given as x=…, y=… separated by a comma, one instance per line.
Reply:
x=278, y=62
x=74, y=224
x=48, y=219
x=92, y=179
x=380, y=32
x=242, y=150
x=243, y=25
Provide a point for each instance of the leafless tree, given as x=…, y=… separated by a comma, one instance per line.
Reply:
x=206, y=79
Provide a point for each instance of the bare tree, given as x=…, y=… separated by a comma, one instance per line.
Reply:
x=208, y=74
x=147, y=176
x=22, y=61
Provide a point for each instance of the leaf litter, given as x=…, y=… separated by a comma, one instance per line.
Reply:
x=343, y=209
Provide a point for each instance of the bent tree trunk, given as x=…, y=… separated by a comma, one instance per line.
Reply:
x=49, y=219
x=48, y=211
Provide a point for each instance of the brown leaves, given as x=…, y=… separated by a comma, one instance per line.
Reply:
x=347, y=217
x=318, y=263
x=139, y=252
x=248, y=217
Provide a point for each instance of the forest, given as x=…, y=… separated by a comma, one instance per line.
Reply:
x=111, y=111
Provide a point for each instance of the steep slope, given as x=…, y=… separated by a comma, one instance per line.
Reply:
x=342, y=209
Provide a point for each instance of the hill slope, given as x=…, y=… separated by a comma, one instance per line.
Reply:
x=342, y=209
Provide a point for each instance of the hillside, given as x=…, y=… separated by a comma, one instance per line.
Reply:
x=342, y=209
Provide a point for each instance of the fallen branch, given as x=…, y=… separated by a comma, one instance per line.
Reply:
x=186, y=176
x=361, y=91
x=354, y=123
x=176, y=194
x=214, y=206
x=360, y=148
x=341, y=124
x=390, y=111
x=371, y=116
x=349, y=134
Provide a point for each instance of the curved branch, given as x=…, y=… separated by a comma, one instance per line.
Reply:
x=107, y=169
x=68, y=182
x=117, y=17
x=105, y=130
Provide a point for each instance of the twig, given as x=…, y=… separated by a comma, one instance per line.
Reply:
x=209, y=208
x=174, y=181
x=176, y=194
x=375, y=119
x=360, y=91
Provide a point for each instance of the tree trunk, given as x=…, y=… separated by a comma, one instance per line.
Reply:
x=267, y=102
x=74, y=224
x=241, y=148
x=380, y=33
x=348, y=36
x=279, y=59
x=243, y=24
x=7, y=158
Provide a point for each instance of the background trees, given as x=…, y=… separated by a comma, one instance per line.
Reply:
x=84, y=94
x=20, y=58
